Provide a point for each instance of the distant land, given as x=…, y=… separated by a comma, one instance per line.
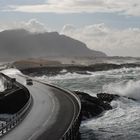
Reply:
x=21, y=44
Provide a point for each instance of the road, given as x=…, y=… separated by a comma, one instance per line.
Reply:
x=51, y=115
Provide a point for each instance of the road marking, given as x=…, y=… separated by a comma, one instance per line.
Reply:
x=69, y=97
x=53, y=102
x=50, y=116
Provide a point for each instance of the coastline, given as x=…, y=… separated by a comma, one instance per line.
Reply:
x=80, y=69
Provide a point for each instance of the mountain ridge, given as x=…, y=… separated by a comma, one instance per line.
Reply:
x=23, y=44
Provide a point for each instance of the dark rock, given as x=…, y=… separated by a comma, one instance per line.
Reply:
x=91, y=106
x=107, y=97
x=90, y=110
x=94, y=106
x=55, y=69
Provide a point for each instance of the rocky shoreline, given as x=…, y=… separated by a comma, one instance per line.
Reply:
x=80, y=69
x=95, y=106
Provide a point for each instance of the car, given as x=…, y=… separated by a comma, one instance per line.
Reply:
x=29, y=82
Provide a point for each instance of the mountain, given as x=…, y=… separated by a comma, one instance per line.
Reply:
x=23, y=44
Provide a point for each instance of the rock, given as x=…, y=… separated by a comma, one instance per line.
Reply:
x=107, y=97
x=94, y=106
x=91, y=106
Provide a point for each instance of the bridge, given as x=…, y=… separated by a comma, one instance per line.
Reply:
x=51, y=113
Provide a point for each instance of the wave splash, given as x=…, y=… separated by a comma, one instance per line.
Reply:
x=130, y=89
x=122, y=122
x=123, y=118
x=11, y=71
x=7, y=72
x=2, y=87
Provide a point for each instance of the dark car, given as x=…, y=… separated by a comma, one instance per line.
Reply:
x=29, y=81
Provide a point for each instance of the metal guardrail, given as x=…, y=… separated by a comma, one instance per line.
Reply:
x=19, y=116
x=72, y=133
x=16, y=119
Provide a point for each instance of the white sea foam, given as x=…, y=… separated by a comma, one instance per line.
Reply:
x=11, y=71
x=125, y=115
x=117, y=122
x=7, y=72
x=110, y=73
x=129, y=88
x=122, y=122
x=2, y=87
x=63, y=76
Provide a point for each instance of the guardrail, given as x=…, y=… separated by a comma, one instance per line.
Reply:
x=72, y=133
x=19, y=116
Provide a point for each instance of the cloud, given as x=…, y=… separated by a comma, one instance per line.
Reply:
x=128, y=7
x=33, y=25
x=121, y=42
x=20, y=2
x=69, y=28
x=66, y=6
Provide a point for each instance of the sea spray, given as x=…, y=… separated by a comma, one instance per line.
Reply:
x=11, y=71
x=2, y=87
x=123, y=121
x=129, y=89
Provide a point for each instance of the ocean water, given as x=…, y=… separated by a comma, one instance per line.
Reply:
x=120, y=123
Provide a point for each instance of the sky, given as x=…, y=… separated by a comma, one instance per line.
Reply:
x=111, y=26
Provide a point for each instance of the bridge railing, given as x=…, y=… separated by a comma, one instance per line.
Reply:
x=72, y=133
x=10, y=123
x=15, y=119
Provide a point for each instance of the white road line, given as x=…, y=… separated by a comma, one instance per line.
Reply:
x=53, y=102
x=45, y=123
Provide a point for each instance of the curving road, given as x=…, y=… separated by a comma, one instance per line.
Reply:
x=52, y=113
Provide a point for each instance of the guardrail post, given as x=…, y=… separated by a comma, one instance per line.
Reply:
x=71, y=134
x=2, y=127
x=10, y=125
x=67, y=136
x=16, y=119
x=13, y=122
x=6, y=126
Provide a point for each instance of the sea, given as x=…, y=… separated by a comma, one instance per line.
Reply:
x=120, y=123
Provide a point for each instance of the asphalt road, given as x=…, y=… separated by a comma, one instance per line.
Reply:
x=51, y=115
